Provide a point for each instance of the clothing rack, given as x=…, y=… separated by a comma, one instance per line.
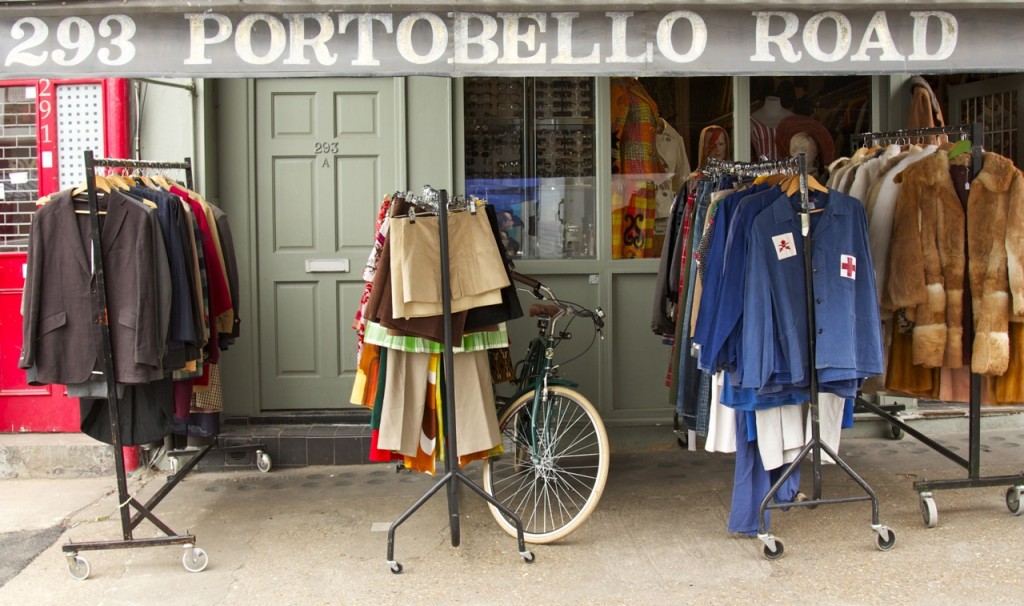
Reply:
x=773, y=547
x=714, y=166
x=194, y=559
x=973, y=132
x=453, y=476
x=974, y=479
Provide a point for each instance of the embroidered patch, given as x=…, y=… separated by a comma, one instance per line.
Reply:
x=784, y=245
x=848, y=266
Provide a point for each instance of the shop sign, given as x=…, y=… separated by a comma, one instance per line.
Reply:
x=209, y=44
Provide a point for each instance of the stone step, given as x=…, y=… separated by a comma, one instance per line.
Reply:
x=290, y=445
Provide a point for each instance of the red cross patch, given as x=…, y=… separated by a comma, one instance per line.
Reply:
x=848, y=266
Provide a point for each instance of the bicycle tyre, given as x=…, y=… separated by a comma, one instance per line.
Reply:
x=554, y=493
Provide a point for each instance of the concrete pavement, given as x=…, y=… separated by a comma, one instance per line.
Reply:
x=317, y=535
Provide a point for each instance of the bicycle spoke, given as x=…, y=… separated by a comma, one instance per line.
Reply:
x=560, y=434
x=565, y=481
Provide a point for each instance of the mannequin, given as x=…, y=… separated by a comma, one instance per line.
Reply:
x=763, y=123
x=714, y=143
x=771, y=112
x=797, y=134
x=804, y=143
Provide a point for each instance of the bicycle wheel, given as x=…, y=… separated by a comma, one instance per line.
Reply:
x=554, y=486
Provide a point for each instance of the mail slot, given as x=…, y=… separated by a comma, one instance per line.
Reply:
x=326, y=265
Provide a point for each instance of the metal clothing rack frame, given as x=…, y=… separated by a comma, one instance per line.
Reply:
x=974, y=479
x=453, y=475
x=974, y=132
x=773, y=547
x=194, y=559
x=714, y=166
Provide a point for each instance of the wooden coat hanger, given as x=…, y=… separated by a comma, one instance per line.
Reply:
x=860, y=154
x=792, y=185
x=116, y=181
x=101, y=184
x=774, y=179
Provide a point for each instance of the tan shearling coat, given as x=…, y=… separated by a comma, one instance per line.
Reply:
x=995, y=245
x=926, y=261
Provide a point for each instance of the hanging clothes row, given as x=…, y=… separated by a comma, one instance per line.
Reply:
x=739, y=365
x=930, y=218
x=172, y=289
x=955, y=320
x=400, y=330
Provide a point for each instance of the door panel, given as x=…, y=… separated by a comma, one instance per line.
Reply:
x=639, y=358
x=327, y=151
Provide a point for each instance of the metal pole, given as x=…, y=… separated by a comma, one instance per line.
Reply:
x=812, y=326
x=100, y=320
x=451, y=460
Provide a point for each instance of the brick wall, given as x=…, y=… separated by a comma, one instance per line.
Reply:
x=18, y=174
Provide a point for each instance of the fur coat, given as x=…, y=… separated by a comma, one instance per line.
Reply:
x=926, y=262
x=995, y=245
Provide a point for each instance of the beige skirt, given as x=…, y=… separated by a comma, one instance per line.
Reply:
x=477, y=273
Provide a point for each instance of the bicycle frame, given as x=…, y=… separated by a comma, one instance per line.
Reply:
x=535, y=375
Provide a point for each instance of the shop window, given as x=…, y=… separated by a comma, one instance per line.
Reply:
x=18, y=174
x=816, y=115
x=662, y=129
x=530, y=152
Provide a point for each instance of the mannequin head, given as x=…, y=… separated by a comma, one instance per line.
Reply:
x=803, y=143
x=714, y=143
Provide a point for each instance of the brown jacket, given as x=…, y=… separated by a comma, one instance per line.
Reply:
x=926, y=262
x=995, y=244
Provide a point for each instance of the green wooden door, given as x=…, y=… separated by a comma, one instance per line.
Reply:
x=327, y=152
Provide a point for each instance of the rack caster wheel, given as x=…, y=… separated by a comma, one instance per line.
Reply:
x=263, y=462
x=1013, y=500
x=527, y=556
x=78, y=567
x=195, y=559
x=895, y=431
x=773, y=548
x=395, y=567
x=929, y=511
x=886, y=538
x=774, y=554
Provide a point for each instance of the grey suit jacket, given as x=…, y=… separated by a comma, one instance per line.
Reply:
x=60, y=333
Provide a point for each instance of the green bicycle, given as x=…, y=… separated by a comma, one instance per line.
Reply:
x=555, y=461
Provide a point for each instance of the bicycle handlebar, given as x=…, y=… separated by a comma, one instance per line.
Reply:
x=543, y=292
x=527, y=280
